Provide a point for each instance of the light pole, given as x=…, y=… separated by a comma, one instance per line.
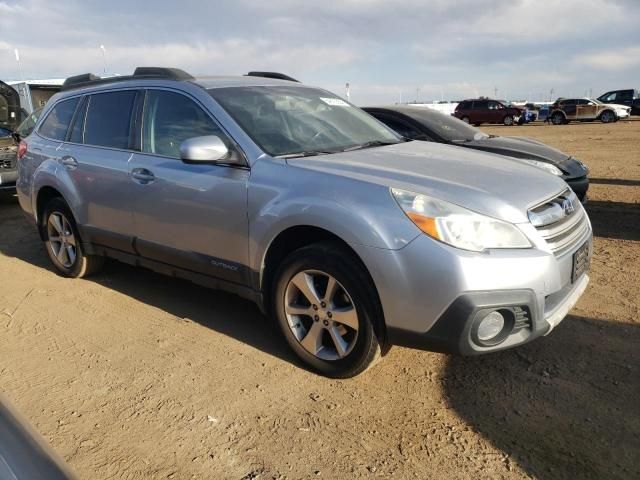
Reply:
x=348, y=90
x=19, y=64
x=104, y=57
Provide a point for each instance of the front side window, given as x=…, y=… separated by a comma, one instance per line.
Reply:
x=108, y=119
x=289, y=120
x=480, y=105
x=57, y=122
x=171, y=118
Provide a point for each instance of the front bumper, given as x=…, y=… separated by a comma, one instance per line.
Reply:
x=431, y=293
x=453, y=332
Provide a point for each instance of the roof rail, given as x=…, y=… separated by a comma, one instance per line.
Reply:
x=162, y=72
x=276, y=75
x=87, y=79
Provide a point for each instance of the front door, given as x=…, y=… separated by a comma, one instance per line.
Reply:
x=193, y=216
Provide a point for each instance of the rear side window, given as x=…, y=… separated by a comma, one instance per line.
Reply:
x=480, y=105
x=108, y=120
x=171, y=118
x=465, y=105
x=57, y=122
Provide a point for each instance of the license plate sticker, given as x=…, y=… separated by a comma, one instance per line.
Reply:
x=580, y=262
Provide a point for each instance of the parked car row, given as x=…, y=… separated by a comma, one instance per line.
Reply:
x=352, y=236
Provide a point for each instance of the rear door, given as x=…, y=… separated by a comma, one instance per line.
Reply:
x=569, y=107
x=95, y=160
x=586, y=109
x=480, y=112
x=193, y=216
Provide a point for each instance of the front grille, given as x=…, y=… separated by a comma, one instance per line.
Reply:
x=561, y=221
x=522, y=319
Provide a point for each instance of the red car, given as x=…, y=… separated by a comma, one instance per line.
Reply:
x=484, y=110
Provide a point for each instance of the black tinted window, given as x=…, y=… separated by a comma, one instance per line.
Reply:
x=169, y=119
x=398, y=126
x=480, y=105
x=464, y=105
x=109, y=118
x=57, y=122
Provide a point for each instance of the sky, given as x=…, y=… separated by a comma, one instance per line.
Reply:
x=387, y=51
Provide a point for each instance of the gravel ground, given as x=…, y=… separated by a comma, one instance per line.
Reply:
x=132, y=375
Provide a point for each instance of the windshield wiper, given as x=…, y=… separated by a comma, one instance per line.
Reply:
x=306, y=153
x=373, y=143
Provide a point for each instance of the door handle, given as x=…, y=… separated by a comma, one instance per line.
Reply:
x=69, y=162
x=142, y=175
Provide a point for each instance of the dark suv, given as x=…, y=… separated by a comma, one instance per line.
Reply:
x=629, y=97
x=484, y=110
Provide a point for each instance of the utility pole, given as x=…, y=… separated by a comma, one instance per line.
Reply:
x=495, y=92
x=417, y=94
x=347, y=88
x=551, y=94
x=19, y=64
x=104, y=57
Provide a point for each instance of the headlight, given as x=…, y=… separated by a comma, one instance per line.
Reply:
x=458, y=226
x=545, y=166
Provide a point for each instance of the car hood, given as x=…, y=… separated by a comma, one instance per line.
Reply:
x=488, y=184
x=519, y=147
x=616, y=106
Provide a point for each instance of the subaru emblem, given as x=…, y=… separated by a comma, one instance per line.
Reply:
x=567, y=206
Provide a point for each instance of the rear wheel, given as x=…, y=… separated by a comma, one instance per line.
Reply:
x=557, y=118
x=465, y=119
x=63, y=244
x=325, y=308
x=607, y=116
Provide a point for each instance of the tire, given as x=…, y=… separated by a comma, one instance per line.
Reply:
x=62, y=242
x=607, y=116
x=330, y=329
x=465, y=119
x=557, y=119
x=508, y=120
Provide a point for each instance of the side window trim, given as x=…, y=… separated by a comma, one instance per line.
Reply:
x=205, y=110
x=78, y=116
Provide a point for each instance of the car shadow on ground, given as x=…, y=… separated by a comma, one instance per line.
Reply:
x=615, y=219
x=565, y=406
x=615, y=181
x=217, y=310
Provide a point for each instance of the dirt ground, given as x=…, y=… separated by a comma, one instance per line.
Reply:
x=133, y=375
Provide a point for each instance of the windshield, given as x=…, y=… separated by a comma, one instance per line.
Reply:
x=288, y=120
x=447, y=126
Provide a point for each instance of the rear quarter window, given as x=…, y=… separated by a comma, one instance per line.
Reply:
x=57, y=122
x=108, y=120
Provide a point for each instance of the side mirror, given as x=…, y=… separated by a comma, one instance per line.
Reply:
x=207, y=149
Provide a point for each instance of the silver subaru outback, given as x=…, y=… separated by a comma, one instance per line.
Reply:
x=353, y=238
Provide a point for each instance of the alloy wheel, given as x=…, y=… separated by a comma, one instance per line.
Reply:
x=321, y=314
x=61, y=239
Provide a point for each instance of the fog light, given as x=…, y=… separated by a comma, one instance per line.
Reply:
x=490, y=326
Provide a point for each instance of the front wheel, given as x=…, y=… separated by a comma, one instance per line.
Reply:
x=325, y=308
x=62, y=242
x=607, y=116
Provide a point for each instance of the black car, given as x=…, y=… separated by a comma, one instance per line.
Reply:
x=629, y=97
x=421, y=123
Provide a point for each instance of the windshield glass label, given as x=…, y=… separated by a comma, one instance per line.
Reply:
x=335, y=102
